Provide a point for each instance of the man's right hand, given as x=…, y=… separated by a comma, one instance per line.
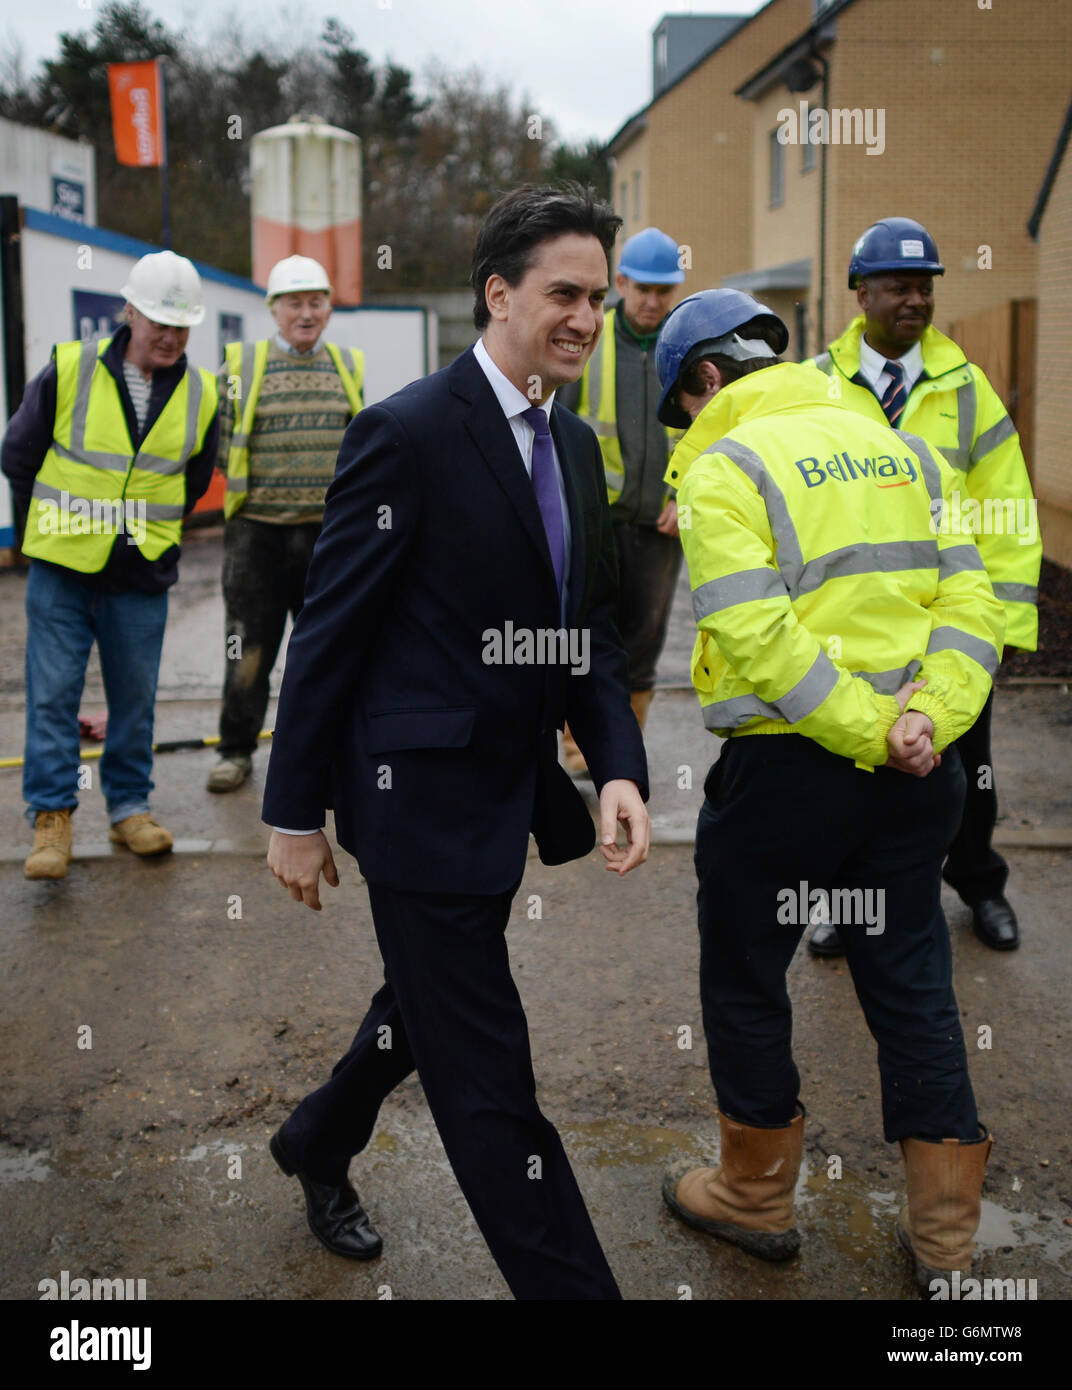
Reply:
x=911, y=749
x=298, y=861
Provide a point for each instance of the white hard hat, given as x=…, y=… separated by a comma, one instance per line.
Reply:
x=297, y=275
x=167, y=289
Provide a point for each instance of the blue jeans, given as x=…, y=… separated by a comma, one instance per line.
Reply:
x=64, y=617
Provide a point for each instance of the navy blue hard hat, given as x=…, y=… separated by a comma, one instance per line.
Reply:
x=651, y=258
x=895, y=243
x=708, y=321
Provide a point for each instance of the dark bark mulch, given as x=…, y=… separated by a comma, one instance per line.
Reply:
x=1054, y=655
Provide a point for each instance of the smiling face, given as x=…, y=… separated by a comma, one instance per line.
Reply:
x=644, y=306
x=153, y=345
x=302, y=317
x=543, y=329
x=898, y=308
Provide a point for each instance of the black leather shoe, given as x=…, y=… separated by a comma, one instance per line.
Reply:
x=335, y=1215
x=995, y=924
x=824, y=941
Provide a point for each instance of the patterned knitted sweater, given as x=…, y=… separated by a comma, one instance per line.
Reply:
x=302, y=414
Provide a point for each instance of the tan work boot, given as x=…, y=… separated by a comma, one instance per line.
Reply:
x=51, y=851
x=142, y=834
x=230, y=773
x=572, y=757
x=640, y=700
x=748, y=1199
x=937, y=1224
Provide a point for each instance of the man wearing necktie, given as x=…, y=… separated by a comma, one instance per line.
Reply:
x=459, y=608
x=891, y=361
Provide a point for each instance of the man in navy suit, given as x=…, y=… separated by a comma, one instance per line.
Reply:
x=458, y=609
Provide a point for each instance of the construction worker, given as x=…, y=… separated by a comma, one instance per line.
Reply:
x=891, y=363
x=112, y=446
x=844, y=642
x=618, y=396
x=294, y=394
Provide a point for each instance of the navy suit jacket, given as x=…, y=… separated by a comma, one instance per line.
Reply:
x=437, y=761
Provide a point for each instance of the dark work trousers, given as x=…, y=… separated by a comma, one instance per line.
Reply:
x=648, y=565
x=782, y=812
x=974, y=868
x=264, y=569
x=450, y=1007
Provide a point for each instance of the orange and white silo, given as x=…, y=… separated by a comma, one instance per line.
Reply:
x=306, y=200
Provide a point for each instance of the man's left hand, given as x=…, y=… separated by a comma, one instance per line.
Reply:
x=667, y=522
x=620, y=801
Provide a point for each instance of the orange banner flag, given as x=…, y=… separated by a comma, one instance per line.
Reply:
x=137, y=113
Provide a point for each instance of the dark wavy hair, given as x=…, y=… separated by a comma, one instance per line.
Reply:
x=524, y=218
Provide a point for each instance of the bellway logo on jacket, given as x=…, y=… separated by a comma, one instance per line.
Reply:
x=843, y=468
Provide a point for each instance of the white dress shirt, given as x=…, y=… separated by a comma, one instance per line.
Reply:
x=874, y=368
x=513, y=403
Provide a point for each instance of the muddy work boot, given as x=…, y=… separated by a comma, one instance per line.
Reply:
x=748, y=1199
x=229, y=773
x=141, y=834
x=937, y=1225
x=51, y=851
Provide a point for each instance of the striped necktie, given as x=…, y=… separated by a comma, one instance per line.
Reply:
x=893, y=402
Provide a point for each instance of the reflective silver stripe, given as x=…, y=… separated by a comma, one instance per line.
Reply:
x=1016, y=593
x=161, y=511
x=236, y=484
x=810, y=691
x=889, y=682
x=961, y=457
x=789, y=556
x=956, y=558
x=746, y=586
x=825, y=363
x=607, y=429
x=87, y=364
x=195, y=391
x=932, y=474
x=991, y=438
x=885, y=558
x=951, y=639
x=153, y=463
x=117, y=462
x=731, y=714
x=595, y=382
x=52, y=494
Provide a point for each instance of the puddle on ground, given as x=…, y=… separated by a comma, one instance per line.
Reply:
x=20, y=1165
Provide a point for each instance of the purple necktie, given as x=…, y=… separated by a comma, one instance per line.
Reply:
x=545, y=483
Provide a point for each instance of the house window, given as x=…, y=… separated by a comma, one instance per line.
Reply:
x=660, y=60
x=809, y=156
x=623, y=199
x=636, y=196
x=777, y=171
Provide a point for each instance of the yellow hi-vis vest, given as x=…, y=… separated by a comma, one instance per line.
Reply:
x=822, y=576
x=245, y=364
x=955, y=409
x=93, y=483
x=598, y=388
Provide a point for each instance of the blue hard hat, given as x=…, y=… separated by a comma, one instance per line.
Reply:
x=708, y=321
x=895, y=243
x=652, y=258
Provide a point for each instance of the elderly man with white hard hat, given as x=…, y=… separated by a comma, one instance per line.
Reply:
x=112, y=446
x=293, y=396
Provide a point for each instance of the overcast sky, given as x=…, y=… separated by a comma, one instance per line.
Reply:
x=585, y=63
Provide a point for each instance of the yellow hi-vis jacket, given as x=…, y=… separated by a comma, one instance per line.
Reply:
x=597, y=407
x=821, y=578
x=93, y=484
x=955, y=409
x=245, y=365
